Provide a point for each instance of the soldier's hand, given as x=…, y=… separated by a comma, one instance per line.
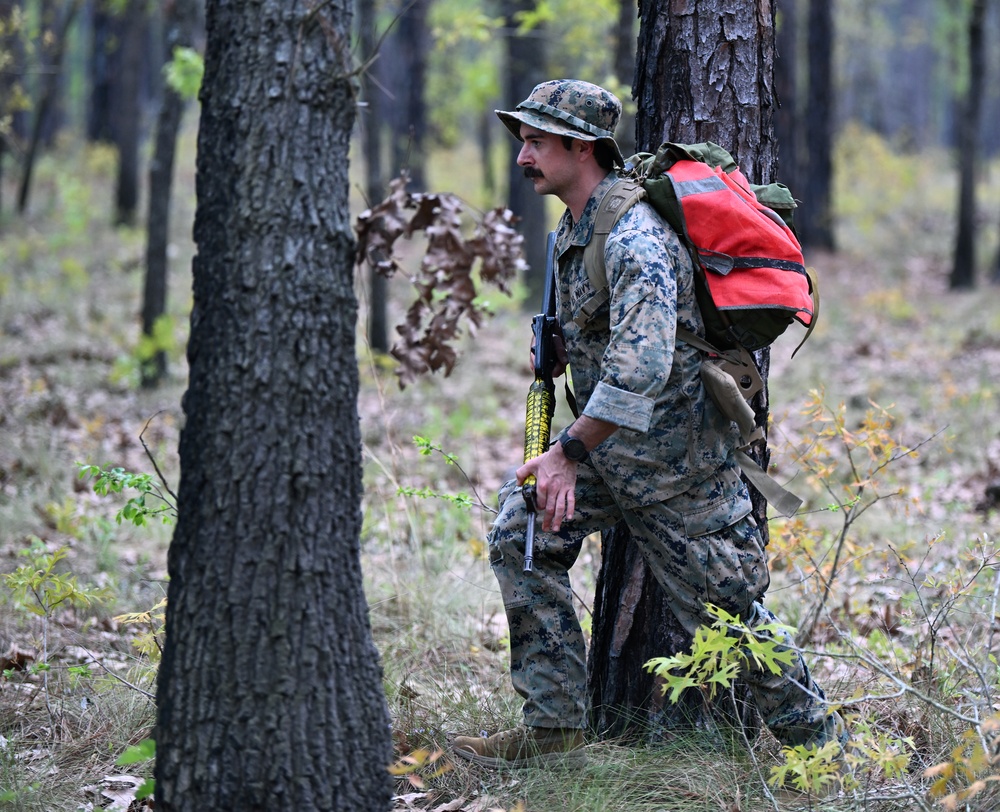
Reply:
x=555, y=489
x=559, y=367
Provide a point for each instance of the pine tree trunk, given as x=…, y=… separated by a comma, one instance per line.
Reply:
x=525, y=69
x=815, y=217
x=702, y=75
x=269, y=692
x=786, y=117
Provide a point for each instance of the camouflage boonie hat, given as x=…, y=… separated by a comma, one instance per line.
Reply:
x=569, y=107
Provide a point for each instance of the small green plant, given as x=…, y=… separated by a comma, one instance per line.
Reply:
x=460, y=499
x=129, y=368
x=136, y=510
x=39, y=587
x=809, y=769
x=141, y=753
x=185, y=71
x=720, y=653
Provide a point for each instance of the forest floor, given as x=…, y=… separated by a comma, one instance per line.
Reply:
x=904, y=542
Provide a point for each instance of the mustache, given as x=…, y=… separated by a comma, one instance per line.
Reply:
x=533, y=172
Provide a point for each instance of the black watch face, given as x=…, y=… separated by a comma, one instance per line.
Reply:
x=574, y=449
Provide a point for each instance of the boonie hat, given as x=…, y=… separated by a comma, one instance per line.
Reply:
x=568, y=107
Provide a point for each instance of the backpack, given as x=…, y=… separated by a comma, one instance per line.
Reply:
x=751, y=282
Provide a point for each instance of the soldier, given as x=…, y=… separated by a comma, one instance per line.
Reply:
x=648, y=447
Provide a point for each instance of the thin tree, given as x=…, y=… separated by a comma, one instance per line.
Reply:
x=270, y=693
x=127, y=111
x=405, y=66
x=371, y=128
x=815, y=216
x=525, y=68
x=624, y=61
x=963, y=271
x=8, y=70
x=47, y=97
x=703, y=73
x=786, y=77
x=180, y=21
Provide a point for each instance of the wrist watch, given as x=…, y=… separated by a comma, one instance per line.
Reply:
x=573, y=448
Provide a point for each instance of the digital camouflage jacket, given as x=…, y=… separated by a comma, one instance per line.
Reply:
x=627, y=368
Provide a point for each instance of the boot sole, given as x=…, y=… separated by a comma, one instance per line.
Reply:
x=572, y=759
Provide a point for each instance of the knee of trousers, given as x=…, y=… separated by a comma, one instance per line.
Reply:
x=506, y=537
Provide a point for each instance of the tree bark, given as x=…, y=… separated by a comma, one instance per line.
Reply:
x=378, y=285
x=47, y=100
x=8, y=70
x=815, y=216
x=269, y=692
x=128, y=114
x=625, y=70
x=703, y=73
x=525, y=69
x=963, y=272
x=181, y=17
x=103, y=66
x=408, y=115
x=786, y=118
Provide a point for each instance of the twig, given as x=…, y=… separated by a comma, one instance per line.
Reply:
x=152, y=459
x=123, y=681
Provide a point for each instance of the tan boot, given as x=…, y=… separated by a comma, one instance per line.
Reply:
x=524, y=747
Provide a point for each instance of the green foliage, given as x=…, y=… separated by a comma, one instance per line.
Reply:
x=184, y=72
x=809, y=769
x=427, y=448
x=720, y=653
x=141, y=753
x=40, y=588
x=136, y=510
x=130, y=367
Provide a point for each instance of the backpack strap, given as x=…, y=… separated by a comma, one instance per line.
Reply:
x=618, y=199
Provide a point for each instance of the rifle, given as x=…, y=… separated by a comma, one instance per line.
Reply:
x=541, y=395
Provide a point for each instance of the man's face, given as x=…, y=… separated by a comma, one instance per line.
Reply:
x=545, y=160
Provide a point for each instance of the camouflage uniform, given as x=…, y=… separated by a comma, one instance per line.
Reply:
x=668, y=471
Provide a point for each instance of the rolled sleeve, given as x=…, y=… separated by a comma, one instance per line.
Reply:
x=626, y=410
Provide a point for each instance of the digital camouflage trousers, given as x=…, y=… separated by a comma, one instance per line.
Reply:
x=702, y=547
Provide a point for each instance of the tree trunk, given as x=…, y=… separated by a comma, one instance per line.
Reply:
x=179, y=25
x=8, y=71
x=128, y=113
x=702, y=74
x=371, y=121
x=270, y=693
x=625, y=71
x=963, y=272
x=525, y=69
x=104, y=65
x=815, y=216
x=786, y=75
x=47, y=99
x=409, y=44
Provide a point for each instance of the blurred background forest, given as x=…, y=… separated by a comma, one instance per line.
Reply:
x=887, y=134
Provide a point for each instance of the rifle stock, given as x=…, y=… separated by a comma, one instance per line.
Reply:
x=541, y=396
